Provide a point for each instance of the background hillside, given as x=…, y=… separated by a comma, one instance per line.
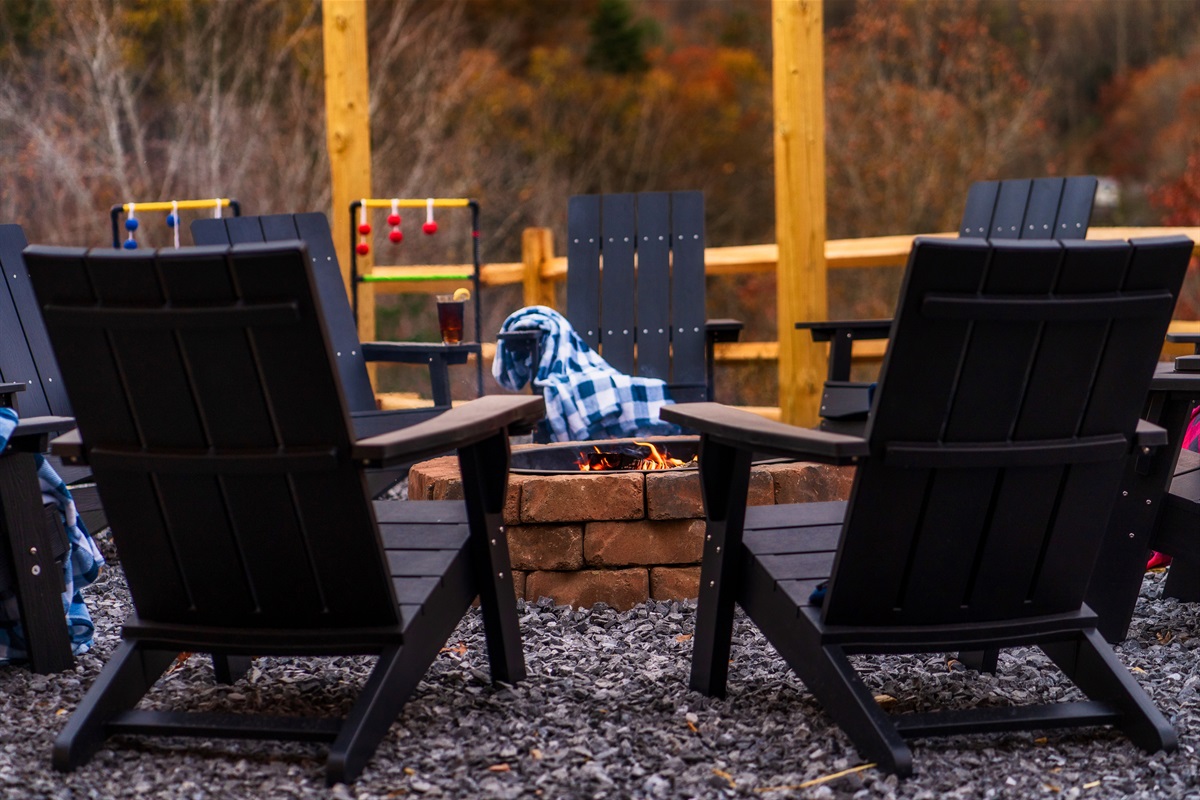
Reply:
x=520, y=103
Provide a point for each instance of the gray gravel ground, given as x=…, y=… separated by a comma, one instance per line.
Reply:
x=606, y=713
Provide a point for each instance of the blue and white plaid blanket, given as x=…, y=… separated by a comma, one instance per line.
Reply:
x=585, y=397
x=80, y=568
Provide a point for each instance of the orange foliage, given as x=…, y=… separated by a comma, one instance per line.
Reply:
x=922, y=99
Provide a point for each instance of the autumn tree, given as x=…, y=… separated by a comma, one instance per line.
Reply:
x=921, y=100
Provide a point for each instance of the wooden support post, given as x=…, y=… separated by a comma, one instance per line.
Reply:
x=799, y=94
x=537, y=251
x=348, y=135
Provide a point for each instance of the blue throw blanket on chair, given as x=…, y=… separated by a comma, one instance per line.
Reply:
x=585, y=397
x=80, y=567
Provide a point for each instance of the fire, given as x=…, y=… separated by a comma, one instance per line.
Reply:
x=601, y=460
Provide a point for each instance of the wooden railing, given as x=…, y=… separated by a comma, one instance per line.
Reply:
x=540, y=269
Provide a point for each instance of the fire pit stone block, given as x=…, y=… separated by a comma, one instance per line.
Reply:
x=568, y=498
x=675, y=494
x=674, y=583
x=809, y=483
x=643, y=542
x=620, y=588
x=534, y=547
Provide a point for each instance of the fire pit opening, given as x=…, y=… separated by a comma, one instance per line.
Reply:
x=622, y=455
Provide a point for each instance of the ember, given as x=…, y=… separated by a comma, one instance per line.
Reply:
x=601, y=460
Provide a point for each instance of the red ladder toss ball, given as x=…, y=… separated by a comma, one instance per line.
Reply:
x=364, y=229
x=363, y=248
x=396, y=236
x=393, y=220
x=430, y=228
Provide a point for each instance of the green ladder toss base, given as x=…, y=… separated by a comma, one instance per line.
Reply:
x=394, y=278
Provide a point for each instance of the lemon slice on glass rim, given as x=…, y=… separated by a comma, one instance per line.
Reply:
x=462, y=294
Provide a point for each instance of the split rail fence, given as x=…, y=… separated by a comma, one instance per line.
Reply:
x=540, y=269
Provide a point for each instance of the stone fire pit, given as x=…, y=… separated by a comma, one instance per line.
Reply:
x=619, y=537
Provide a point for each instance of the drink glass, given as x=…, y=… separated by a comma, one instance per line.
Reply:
x=450, y=318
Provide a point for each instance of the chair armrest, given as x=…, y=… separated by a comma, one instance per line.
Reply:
x=418, y=352
x=459, y=427
x=1149, y=435
x=520, y=342
x=857, y=328
x=529, y=337
x=437, y=355
x=32, y=434
x=747, y=431
x=1184, y=336
x=69, y=447
x=722, y=330
x=716, y=330
x=841, y=335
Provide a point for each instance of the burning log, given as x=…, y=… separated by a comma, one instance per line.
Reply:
x=604, y=460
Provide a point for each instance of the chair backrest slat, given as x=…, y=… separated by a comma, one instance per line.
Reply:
x=1009, y=216
x=653, y=298
x=644, y=310
x=618, y=237
x=688, y=294
x=313, y=229
x=1042, y=208
x=25, y=353
x=1075, y=207
x=970, y=537
x=229, y=475
x=583, y=267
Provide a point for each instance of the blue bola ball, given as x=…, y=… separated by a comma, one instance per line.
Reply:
x=130, y=244
x=131, y=224
x=170, y=220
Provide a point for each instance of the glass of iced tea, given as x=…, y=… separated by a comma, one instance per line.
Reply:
x=450, y=317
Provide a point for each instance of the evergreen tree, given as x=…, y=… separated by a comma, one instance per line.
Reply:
x=619, y=41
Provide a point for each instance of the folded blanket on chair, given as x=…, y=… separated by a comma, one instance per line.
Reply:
x=585, y=397
x=80, y=567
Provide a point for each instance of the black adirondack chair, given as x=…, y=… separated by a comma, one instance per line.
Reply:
x=211, y=410
x=1007, y=408
x=1159, y=505
x=33, y=538
x=635, y=288
x=1041, y=208
x=351, y=354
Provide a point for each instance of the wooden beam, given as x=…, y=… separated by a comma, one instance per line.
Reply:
x=348, y=134
x=799, y=93
x=537, y=250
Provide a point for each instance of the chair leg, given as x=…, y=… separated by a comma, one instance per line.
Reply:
x=1090, y=662
x=1183, y=580
x=981, y=660
x=125, y=679
x=389, y=686
x=28, y=533
x=725, y=479
x=230, y=669
x=484, y=469
x=832, y=679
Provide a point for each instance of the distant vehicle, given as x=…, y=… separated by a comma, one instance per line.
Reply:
x=1108, y=193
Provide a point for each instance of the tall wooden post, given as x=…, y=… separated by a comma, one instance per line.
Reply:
x=799, y=93
x=348, y=134
x=537, y=250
